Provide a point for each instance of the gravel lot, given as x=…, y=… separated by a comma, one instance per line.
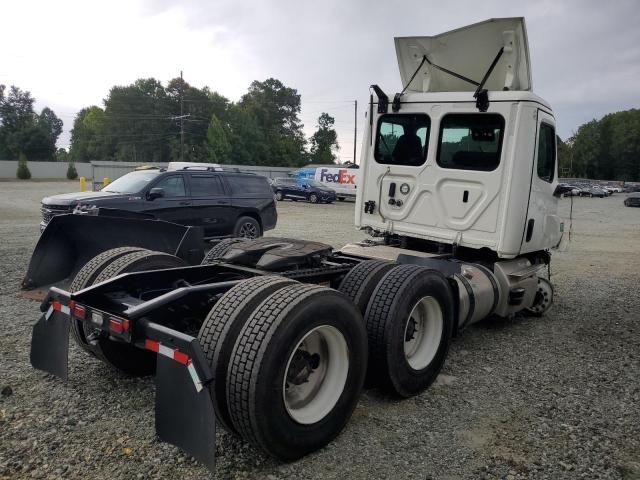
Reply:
x=553, y=397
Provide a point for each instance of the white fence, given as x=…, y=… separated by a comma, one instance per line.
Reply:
x=97, y=170
x=43, y=170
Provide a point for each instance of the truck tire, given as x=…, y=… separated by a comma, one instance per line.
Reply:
x=297, y=370
x=409, y=324
x=219, y=249
x=85, y=277
x=124, y=357
x=247, y=227
x=362, y=279
x=221, y=328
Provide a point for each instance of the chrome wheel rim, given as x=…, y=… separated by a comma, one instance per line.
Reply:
x=248, y=230
x=543, y=298
x=315, y=375
x=423, y=333
x=313, y=198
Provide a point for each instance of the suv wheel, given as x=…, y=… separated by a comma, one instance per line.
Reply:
x=247, y=227
x=313, y=198
x=279, y=196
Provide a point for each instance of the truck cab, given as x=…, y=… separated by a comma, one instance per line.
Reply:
x=466, y=155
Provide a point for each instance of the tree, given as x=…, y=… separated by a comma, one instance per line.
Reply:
x=608, y=148
x=218, y=146
x=50, y=123
x=16, y=116
x=72, y=173
x=273, y=108
x=23, y=172
x=22, y=131
x=62, y=155
x=324, y=141
x=89, y=140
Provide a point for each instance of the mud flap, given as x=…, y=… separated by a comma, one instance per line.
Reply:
x=70, y=241
x=50, y=343
x=184, y=416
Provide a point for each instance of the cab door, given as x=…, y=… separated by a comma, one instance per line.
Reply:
x=543, y=226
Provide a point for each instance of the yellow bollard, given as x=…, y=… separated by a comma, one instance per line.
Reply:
x=83, y=182
x=105, y=182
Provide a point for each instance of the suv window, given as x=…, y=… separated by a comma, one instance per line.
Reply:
x=248, y=184
x=206, y=185
x=546, y=152
x=173, y=186
x=470, y=141
x=402, y=139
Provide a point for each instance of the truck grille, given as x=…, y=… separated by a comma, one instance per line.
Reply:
x=50, y=211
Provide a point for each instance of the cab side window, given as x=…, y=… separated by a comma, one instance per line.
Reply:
x=173, y=186
x=546, y=152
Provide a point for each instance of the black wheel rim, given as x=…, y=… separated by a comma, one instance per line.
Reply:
x=248, y=230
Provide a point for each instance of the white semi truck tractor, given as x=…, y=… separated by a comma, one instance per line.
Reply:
x=274, y=338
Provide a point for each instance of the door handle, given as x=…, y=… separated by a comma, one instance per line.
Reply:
x=184, y=203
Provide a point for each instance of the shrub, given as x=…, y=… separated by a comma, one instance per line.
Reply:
x=23, y=172
x=72, y=173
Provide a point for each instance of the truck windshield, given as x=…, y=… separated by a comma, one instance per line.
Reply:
x=132, y=182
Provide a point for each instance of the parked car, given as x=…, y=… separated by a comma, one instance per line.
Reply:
x=302, y=189
x=567, y=190
x=633, y=200
x=223, y=203
x=593, y=191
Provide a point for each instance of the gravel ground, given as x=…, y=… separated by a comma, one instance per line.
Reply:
x=553, y=397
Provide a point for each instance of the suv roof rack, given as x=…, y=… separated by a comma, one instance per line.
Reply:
x=193, y=166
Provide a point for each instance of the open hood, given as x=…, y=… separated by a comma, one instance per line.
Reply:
x=469, y=52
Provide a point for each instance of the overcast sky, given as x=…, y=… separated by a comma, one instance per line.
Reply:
x=585, y=54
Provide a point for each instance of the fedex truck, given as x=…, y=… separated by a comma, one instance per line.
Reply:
x=341, y=179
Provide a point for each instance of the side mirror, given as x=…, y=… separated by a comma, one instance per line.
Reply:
x=154, y=193
x=305, y=186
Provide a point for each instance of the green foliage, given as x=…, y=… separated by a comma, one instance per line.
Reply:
x=218, y=146
x=22, y=130
x=72, y=173
x=62, y=155
x=608, y=148
x=324, y=141
x=23, y=172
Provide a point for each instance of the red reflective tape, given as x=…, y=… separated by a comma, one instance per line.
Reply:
x=78, y=310
x=57, y=306
x=181, y=357
x=115, y=325
x=125, y=325
x=152, y=345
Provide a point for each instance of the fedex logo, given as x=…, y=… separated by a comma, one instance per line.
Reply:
x=342, y=176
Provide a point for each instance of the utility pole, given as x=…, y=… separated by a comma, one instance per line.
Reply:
x=355, y=128
x=181, y=118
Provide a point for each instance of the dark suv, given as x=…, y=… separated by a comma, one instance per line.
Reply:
x=223, y=203
x=302, y=189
